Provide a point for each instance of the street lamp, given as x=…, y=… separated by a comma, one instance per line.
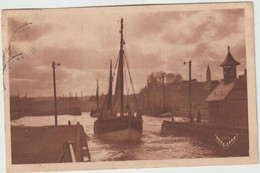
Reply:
x=54, y=85
x=190, y=114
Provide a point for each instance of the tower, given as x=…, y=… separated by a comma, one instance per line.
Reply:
x=229, y=67
x=208, y=74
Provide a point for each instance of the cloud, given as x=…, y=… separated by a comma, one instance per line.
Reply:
x=210, y=25
x=144, y=60
x=32, y=31
x=151, y=23
x=155, y=41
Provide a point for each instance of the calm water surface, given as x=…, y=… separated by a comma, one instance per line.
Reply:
x=151, y=147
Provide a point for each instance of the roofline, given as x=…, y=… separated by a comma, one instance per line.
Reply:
x=237, y=63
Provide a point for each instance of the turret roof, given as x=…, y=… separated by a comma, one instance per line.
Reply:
x=229, y=60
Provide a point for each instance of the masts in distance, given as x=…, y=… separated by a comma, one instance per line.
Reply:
x=97, y=96
x=96, y=112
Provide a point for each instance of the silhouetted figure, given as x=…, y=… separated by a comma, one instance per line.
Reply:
x=198, y=117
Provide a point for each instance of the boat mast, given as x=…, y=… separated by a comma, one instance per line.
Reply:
x=109, y=103
x=121, y=68
x=97, y=96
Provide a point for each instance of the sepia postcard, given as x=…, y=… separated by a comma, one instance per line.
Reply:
x=129, y=87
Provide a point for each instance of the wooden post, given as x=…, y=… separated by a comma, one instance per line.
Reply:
x=190, y=114
x=54, y=85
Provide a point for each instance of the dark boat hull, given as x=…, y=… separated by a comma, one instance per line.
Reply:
x=163, y=114
x=127, y=128
x=95, y=114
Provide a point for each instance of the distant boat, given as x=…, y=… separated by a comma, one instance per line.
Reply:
x=164, y=111
x=156, y=110
x=117, y=123
x=161, y=113
x=75, y=111
x=96, y=112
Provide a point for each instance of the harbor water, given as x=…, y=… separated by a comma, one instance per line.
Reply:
x=151, y=147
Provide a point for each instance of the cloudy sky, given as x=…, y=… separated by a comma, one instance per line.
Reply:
x=84, y=40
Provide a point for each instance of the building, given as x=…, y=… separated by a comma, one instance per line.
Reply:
x=208, y=74
x=227, y=103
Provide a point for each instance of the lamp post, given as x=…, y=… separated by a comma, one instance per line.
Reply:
x=190, y=114
x=54, y=85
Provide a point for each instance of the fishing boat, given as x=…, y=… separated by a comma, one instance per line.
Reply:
x=160, y=111
x=118, y=122
x=96, y=112
x=162, y=114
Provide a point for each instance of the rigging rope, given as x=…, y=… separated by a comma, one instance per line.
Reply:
x=115, y=66
x=107, y=87
x=126, y=82
x=131, y=81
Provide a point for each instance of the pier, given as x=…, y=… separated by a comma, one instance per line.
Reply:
x=49, y=144
x=230, y=141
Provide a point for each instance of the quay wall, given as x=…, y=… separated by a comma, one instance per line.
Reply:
x=213, y=136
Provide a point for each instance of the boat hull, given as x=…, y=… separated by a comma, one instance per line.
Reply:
x=95, y=113
x=122, y=135
x=164, y=115
x=161, y=115
x=119, y=129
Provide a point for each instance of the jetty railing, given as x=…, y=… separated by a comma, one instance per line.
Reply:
x=72, y=153
x=66, y=146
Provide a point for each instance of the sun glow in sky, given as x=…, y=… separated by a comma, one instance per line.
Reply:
x=84, y=40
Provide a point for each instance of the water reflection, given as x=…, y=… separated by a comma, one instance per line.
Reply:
x=151, y=147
